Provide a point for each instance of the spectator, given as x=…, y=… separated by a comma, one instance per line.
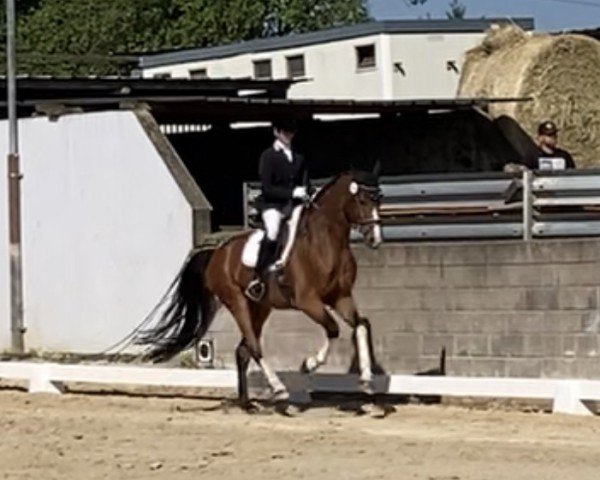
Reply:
x=547, y=156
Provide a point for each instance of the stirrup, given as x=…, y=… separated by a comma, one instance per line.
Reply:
x=255, y=290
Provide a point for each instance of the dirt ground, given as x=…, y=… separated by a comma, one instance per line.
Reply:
x=107, y=436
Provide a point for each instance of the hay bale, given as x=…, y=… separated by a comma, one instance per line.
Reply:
x=561, y=73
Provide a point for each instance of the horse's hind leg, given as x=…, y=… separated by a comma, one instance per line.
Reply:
x=243, y=355
x=242, y=360
x=250, y=322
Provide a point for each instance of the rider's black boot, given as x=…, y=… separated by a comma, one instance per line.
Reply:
x=266, y=256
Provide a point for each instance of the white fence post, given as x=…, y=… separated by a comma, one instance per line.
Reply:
x=40, y=381
x=567, y=399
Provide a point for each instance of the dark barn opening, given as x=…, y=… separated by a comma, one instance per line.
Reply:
x=222, y=158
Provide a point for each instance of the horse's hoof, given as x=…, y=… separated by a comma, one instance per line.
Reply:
x=282, y=396
x=286, y=409
x=374, y=410
x=366, y=386
x=304, y=368
x=250, y=407
x=308, y=365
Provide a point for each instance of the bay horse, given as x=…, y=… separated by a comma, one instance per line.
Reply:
x=320, y=273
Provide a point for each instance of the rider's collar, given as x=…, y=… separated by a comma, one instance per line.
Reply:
x=279, y=146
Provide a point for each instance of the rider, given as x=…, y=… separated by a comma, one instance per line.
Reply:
x=284, y=184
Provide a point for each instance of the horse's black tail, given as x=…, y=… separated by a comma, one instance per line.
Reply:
x=188, y=315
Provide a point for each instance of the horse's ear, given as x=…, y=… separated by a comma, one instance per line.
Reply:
x=377, y=168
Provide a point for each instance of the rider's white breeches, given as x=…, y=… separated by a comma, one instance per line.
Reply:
x=272, y=220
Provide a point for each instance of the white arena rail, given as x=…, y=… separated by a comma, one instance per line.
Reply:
x=568, y=396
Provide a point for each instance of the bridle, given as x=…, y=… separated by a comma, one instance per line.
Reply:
x=374, y=193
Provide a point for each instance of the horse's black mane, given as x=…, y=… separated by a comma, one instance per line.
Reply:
x=328, y=184
x=363, y=178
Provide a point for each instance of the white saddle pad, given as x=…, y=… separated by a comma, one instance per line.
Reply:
x=250, y=251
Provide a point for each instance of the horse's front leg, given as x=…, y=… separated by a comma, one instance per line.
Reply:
x=347, y=308
x=325, y=316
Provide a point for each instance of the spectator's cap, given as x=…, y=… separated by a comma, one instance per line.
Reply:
x=287, y=125
x=547, y=128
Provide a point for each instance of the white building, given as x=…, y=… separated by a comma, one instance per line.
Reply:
x=99, y=243
x=377, y=60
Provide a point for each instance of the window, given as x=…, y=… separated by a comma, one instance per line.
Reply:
x=198, y=73
x=295, y=66
x=161, y=75
x=365, y=57
x=262, y=69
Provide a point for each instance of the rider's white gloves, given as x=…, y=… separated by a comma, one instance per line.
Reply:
x=300, y=193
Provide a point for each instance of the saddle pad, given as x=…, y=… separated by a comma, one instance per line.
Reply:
x=250, y=251
x=252, y=246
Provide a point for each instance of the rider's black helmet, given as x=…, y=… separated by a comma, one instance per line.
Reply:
x=286, y=124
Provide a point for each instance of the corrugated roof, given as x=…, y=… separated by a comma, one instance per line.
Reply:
x=329, y=35
x=209, y=109
x=100, y=92
x=49, y=86
x=207, y=100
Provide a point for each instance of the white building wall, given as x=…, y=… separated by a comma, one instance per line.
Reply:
x=424, y=59
x=332, y=73
x=330, y=69
x=105, y=230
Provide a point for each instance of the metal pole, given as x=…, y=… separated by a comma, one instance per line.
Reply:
x=527, y=205
x=14, y=188
x=245, y=188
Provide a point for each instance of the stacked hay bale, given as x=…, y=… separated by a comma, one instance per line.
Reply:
x=561, y=73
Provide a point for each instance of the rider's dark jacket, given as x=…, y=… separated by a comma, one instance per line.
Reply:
x=279, y=177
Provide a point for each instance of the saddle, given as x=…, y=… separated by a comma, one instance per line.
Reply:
x=285, y=242
x=287, y=236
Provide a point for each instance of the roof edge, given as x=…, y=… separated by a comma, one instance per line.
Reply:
x=333, y=34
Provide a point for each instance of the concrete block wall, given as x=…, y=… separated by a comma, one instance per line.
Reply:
x=500, y=308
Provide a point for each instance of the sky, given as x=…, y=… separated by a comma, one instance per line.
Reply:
x=549, y=15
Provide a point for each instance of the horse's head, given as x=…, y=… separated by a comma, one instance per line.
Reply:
x=362, y=204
